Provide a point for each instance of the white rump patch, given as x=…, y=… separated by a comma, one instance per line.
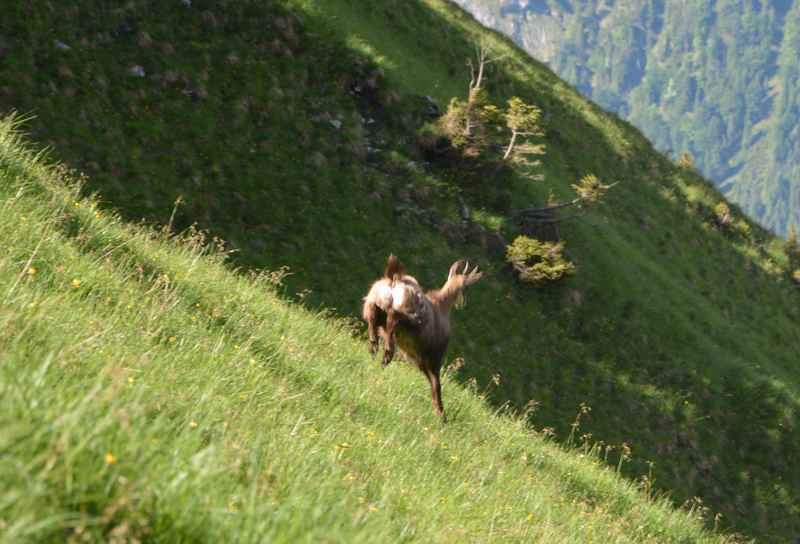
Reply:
x=399, y=293
x=387, y=296
x=383, y=295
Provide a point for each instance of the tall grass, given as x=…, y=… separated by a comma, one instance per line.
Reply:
x=680, y=335
x=152, y=393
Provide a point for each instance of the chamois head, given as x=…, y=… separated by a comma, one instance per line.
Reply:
x=452, y=293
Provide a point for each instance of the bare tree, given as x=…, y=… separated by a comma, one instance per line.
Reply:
x=476, y=97
x=545, y=220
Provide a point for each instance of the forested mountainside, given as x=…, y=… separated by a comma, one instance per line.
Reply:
x=719, y=79
x=299, y=132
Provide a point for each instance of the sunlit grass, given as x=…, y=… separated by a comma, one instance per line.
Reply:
x=150, y=393
x=670, y=330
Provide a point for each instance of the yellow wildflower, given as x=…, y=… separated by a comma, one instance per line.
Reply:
x=193, y=424
x=76, y=283
x=32, y=271
x=110, y=459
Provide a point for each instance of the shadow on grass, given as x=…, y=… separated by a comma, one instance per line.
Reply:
x=277, y=166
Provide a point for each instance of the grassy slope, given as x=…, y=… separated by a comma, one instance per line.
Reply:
x=151, y=393
x=749, y=155
x=681, y=344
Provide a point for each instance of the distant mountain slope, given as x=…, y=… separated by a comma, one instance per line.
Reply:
x=719, y=79
x=290, y=130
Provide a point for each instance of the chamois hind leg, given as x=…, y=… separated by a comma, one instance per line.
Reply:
x=370, y=317
x=436, y=393
x=388, y=337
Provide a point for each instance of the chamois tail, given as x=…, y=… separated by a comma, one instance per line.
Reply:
x=394, y=268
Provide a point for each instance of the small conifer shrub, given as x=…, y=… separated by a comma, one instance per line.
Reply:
x=538, y=263
x=686, y=162
x=722, y=214
x=744, y=229
x=791, y=248
x=590, y=190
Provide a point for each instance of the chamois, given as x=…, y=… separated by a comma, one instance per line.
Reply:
x=394, y=297
x=423, y=337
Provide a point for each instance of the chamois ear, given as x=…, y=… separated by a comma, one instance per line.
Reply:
x=454, y=268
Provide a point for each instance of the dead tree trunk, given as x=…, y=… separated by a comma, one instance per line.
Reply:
x=475, y=82
x=542, y=223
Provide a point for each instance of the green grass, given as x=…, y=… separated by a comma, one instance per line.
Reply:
x=681, y=337
x=152, y=393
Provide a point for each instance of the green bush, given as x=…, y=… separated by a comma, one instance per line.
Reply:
x=722, y=213
x=538, y=263
x=686, y=162
x=791, y=248
x=471, y=125
x=590, y=191
x=744, y=228
x=432, y=140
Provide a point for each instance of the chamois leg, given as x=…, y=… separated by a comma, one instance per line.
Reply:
x=370, y=318
x=436, y=393
x=388, y=337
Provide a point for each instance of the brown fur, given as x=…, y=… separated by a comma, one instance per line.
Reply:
x=382, y=311
x=394, y=268
x=423, y=340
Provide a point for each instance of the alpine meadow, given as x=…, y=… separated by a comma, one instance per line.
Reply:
x=195, y=197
